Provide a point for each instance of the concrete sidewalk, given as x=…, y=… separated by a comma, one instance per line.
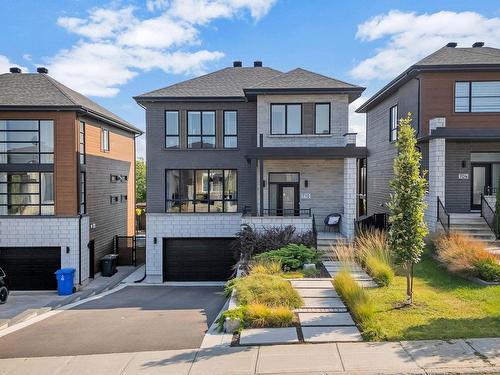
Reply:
x=410, y=357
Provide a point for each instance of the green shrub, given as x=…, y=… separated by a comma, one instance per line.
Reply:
x=269, y=290
x=237, y=313
x=381, y=272
x=259, y=315
x=292, y=257
x=488, y=270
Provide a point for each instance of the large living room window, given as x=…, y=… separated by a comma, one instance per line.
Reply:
x=479, y=96
x=201, y=129
x=26, y=193
x=26, y=142
x=286, y=119
x=201, y=190
x=172, y=129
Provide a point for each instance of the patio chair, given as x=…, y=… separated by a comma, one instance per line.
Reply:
x=332, y=221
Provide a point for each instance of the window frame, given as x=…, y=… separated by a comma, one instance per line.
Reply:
x=38, y=142
x=470, y=97
x=194, y=200
x=178, y=136
x=224, y=135
x=329, y=117
x=83, y=193
x=286, y=118
x=393, y=130
x=201, y=135
x=105, y=140
x=82, y=145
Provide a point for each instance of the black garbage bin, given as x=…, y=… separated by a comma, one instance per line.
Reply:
x=108, y=265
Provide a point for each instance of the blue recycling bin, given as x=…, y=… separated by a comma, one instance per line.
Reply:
x=65, y=281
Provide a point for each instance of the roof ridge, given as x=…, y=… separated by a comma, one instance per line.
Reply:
x=479, y=51
x=325, y=76
x=56, y=84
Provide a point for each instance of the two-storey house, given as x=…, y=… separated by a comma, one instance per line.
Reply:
x=453, y=96
x=66, y=180
x=244, y=146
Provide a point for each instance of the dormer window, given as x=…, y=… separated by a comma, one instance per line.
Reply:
x=286, y=119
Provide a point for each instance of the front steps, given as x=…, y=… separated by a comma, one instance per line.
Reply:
x=327, y=241
x=473, y=225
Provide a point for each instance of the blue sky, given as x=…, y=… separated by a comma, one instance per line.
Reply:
x=114, y=50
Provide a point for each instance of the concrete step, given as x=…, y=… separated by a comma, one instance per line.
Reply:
x=468, y=215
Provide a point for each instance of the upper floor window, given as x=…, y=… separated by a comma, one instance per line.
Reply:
x=230, y=129
x=83, y=193
x=26, y=142
x=172, y=129
x=105, y=140
x=286, y=118
x=393, y=121
x=480, y=96
x=201, y=190
x=26, y=193
x=322, y=118
x=201, y=129
x=81, y=147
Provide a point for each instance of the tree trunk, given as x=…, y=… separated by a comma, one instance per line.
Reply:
x=409, y=283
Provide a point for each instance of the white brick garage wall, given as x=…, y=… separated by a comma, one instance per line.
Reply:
x=50, y=232
x=182, y=225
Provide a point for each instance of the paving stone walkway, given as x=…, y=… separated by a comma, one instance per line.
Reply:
x=365, y=280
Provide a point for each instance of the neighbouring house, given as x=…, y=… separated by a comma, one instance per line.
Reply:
x=244, y=145
x=454, y=99
x=66, y=180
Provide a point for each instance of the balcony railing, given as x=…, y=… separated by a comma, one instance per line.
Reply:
x=299, y=212
x=489, y=190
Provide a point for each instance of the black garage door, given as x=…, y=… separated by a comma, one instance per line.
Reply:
x=200, y=259
x=31, y=268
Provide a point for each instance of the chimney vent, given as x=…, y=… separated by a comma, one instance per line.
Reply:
x=15, y=70
x=257, y=64
x=237, y=64
x=451, y=44
x=478, y=45
x=42, y=70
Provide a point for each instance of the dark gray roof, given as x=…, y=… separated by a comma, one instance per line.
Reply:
x=224, y=83
x=445, y=58
x=40, y=91
x=303, y=79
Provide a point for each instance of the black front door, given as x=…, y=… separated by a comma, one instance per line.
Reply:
x=288, y=199
x=481, y=179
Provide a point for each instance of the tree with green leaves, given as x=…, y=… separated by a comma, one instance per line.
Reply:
x=140, y=180
x=497, y=209
x=407, y=204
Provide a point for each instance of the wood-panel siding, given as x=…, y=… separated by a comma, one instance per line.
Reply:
x=438, y=100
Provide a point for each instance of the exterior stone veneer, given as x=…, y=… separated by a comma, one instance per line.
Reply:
x=437, y=174
x=350, y=197
x=49, y=231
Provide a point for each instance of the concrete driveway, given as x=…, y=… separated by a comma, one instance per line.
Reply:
x=135, y=318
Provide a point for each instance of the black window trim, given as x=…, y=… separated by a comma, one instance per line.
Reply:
x=224, y=135
x=396, y=128
x=83, y=155
x=329, y=117
x=223, y=200
x=286, y=118
x=178, y=136
x=105, y=130
x=83, y=178
x=470, y=96
x=201, y=135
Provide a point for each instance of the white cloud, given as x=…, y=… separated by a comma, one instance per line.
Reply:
x=117, y=45
x=410, y=36
x=357, y=121
x=6, y=64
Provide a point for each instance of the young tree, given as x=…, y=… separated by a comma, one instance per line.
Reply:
x=407, y=204
x=497, y=209
x=140, y=180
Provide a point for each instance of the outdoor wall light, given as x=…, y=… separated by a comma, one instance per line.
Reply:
x=67, y=249
x=154, y=240
x=464, y=163
x=306, y=183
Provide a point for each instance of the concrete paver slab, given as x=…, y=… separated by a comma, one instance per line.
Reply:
x=40, y=366
x=8, y=366
x=331, y=334
x=489, y=347
x=298, y=358
x=381, y=356
x=257, y=336
x=326, y=319
x=98, y=364
x=169, y=362
x=225, y=361
x=442, y=354
x=323, y=302
x=312, y=284
x=317, y=293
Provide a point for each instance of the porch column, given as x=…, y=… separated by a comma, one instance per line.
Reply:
x=437, y=170
x=261, y=187
x=350, y=193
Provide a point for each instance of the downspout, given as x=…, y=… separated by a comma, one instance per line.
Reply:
x=418, y=107
x=80, y=249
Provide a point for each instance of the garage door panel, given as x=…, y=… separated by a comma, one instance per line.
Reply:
x=201, y=259
x=30, y=268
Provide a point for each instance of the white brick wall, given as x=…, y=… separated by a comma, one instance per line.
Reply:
x=339, y=121
x=49, y=232
x=350, y=197
x=301, y=224
x=437, y=169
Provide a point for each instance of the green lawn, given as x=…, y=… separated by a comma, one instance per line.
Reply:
x=445, y=307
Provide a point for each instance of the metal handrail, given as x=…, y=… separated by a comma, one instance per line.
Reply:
x=441, y=211
x=315, y=232
x=488, y=213
x=490, y=190
x=287, y=212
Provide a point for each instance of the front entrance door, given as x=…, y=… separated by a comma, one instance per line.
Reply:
x=288, y=200
x=481, y=179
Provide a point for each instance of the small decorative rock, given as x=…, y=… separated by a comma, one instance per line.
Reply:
x=309, y=266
